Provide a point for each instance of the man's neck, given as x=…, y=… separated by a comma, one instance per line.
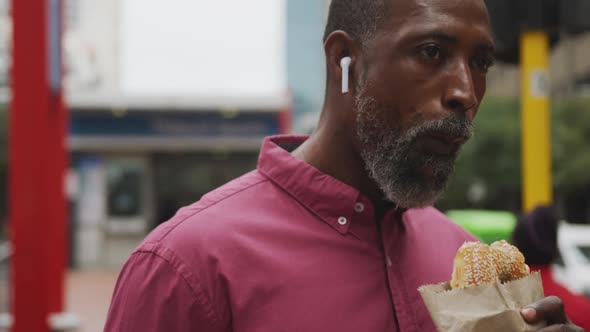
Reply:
x=330, y=150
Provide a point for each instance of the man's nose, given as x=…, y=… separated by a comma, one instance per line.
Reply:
x=459, y=95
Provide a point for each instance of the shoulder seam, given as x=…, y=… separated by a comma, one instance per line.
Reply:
x=200, y=294
x=210, y=205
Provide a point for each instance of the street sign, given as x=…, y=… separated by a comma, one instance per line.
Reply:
x=540, y=84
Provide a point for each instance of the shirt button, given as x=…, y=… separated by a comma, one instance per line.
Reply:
x=359, y=207
x=342, y=221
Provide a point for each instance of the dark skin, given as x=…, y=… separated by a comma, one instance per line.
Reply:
x=407, y=68
x=429, y=58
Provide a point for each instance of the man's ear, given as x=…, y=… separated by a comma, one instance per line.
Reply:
x=338, y=46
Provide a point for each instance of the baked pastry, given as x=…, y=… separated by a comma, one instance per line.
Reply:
x=509, y=261
x=477, y=263
x=473, y=266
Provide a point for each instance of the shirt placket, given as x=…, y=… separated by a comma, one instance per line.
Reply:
x=392, y=251
x=371, y=231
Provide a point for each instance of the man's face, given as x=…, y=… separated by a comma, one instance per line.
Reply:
x=422, y=81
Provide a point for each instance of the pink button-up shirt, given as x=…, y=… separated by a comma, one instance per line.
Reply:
x=285, y=248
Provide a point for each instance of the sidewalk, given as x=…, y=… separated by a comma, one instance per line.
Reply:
x=88, y=295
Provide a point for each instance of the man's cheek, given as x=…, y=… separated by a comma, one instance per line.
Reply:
x=416, y=116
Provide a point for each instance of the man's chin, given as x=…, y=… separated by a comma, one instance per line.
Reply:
x=415, y=183
x=421, y=189
x=414, y=196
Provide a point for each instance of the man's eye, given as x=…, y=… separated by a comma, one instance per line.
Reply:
x=431, y=52
x=483, y=63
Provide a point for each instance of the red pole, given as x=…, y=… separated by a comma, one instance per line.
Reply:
x=37, y=206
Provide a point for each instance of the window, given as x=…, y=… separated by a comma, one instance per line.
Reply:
x=124, y=188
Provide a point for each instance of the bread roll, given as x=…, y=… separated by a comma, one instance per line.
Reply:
x=509, y=261
x=473, y=266
x=477, y=263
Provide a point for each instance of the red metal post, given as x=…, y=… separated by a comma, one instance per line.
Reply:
x=37, y=206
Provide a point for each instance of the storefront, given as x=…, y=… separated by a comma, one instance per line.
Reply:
x=134, y=169
x=168, y=100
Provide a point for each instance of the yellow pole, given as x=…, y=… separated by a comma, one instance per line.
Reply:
x=536, y=150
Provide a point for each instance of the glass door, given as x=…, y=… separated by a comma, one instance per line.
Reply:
x=128, y=195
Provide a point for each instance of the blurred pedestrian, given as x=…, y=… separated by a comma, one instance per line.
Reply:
x=336, y=231
x=536, y=236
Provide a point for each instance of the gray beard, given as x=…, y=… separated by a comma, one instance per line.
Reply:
x=393, y=159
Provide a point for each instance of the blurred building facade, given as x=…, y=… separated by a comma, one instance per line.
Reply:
x=165, y=106
x=306, y=69
x=5, y=40
x=569, y=71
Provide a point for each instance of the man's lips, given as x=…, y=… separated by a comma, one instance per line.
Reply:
x=449, y=139
x=441, y=144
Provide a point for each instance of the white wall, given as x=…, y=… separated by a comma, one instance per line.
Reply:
x=208, y=48
x=194, y=53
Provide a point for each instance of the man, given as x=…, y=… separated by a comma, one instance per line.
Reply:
x=334, y=232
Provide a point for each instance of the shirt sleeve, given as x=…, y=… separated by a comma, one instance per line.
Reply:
x=151, y=295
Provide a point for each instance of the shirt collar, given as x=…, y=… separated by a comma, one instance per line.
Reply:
x=328, y=198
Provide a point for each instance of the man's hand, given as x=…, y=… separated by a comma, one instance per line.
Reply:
x=552, y=311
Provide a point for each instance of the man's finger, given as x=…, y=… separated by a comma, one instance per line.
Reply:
x=549, y=309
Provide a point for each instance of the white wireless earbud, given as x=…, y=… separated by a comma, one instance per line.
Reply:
x=345, y=65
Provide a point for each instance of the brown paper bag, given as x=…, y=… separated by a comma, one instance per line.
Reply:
x=486, y=308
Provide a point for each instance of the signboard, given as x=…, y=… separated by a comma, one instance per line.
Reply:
x=540, y=83
x=211, y=48
x=222, y=53
x=173, y=124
